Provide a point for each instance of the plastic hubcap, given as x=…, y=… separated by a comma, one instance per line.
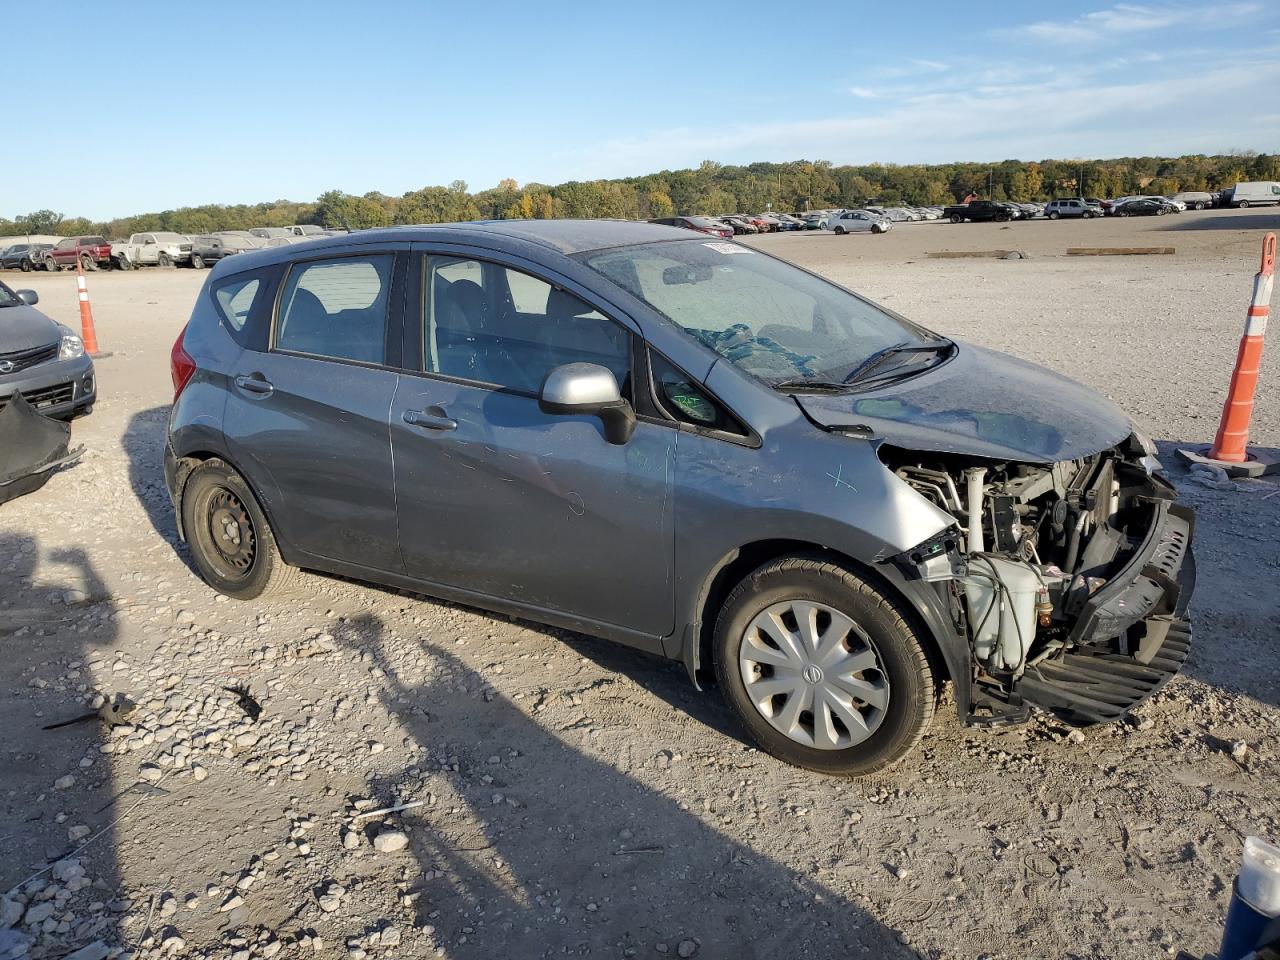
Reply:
x=814, y=674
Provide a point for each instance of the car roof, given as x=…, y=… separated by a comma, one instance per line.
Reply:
x=563, y=236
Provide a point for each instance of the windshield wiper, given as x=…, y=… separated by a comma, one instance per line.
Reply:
x=809, y=383
x=880, y=357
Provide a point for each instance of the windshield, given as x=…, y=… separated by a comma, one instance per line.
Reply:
x=771, y=319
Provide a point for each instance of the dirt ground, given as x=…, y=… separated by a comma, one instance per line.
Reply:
x=578, y=798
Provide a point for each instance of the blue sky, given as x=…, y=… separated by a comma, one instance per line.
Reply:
x=241, y=102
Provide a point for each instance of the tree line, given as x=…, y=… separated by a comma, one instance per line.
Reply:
x=712, y=188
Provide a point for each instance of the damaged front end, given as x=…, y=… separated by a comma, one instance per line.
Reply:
x=1070, y=581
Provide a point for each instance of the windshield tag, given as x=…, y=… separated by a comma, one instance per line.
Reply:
x=726, y=247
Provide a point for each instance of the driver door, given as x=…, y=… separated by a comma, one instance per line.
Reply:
x=500, y=499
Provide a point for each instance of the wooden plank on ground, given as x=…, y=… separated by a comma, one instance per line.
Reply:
x=1118, y=251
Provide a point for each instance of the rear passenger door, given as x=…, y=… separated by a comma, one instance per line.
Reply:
x=307, y=408
x=499, y=498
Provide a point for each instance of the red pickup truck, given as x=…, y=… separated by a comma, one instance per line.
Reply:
x=90, y=251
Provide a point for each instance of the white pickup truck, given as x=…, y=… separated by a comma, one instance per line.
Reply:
x=151, y=250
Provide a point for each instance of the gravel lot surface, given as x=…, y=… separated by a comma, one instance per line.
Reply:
x=579, y=798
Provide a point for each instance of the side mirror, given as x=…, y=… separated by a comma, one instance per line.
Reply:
x=29, y=297
x=588, y=388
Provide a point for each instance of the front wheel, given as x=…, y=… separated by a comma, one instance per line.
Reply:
x=1054, y=215
x=1161, y=212
x=822, y=669
x=197, y=261
x=839, y=231
x=164, y=259
x=231, y=541
x=1243, y=204
x=52, y=266
x=956, y=218
x=122, y=263
x=25, y=266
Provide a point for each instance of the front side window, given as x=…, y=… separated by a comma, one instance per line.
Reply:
x=495, y=325
x=337, y=308
x=768, y=317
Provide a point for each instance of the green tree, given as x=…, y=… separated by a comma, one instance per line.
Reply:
x=39, y=221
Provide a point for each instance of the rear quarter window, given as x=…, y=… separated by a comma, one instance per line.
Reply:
x=243, y=303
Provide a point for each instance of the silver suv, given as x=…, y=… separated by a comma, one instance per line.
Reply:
x=1055, y=209
x=691, y=447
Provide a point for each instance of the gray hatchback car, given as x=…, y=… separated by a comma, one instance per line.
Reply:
x=690, y=447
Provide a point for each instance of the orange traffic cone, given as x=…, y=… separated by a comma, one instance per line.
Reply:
x=1230, y=447
x=87, y=333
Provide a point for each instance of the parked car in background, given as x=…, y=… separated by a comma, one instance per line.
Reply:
x=857, y=221
x=701, y=224
x=307, y=230
x=977, y=210
x=1144, y=207
x=1257, y=193
x=521, y=465
x=1070, y=207
x=815, y=220
x=238, y=241
x=739, y=225
x=24, y=256
x=159, y=249
x=266, y=233
x=1194, y=199
x=42, y=360
x=206, y=250
x=90, y=252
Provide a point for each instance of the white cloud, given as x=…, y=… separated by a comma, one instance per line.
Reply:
x=1127, y=18
x=864, y=93
x=1051, y=120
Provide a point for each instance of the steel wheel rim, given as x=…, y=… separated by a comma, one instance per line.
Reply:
x=230, y=530
x=814, y=675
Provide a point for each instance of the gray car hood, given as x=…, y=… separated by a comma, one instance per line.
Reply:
x=24, y=328
x=981, y=403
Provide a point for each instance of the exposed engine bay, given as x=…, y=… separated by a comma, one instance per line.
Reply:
x=1070, y=580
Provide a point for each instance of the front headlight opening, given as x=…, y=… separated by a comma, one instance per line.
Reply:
x=70, y=347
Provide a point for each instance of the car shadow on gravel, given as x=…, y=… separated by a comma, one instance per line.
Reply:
x=57, y=834
x=550, y=850
x=1224, y=221
x=143, y=444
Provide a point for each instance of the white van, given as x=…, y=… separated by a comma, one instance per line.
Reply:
x=1255, y=193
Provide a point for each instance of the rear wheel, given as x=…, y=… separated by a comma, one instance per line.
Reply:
x=25, y=265
x=1243, y=204
x=231, y=541
x=956, y=218
x=822, y=669
x=197, y=261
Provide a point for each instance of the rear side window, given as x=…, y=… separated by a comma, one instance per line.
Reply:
x=243, y=302
x=235, y=299
x=337, y=308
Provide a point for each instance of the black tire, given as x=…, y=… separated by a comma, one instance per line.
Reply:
x=197, y=261
x=164, y=260
x=122, y=263
x=956, y=218
x=906, y=667
x=25, y=266
x=1054, y=215
x=1243, y=204
x=1086, y=215
x=52, y=266
x=1161, y=211
x=240, y=560
x=87, y=264
x=839, y=231
x=1199, y=206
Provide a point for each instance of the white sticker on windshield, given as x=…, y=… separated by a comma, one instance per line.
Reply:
x=719, y=247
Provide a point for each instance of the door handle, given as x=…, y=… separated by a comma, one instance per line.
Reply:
x=429, y=421
x=255, y=384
